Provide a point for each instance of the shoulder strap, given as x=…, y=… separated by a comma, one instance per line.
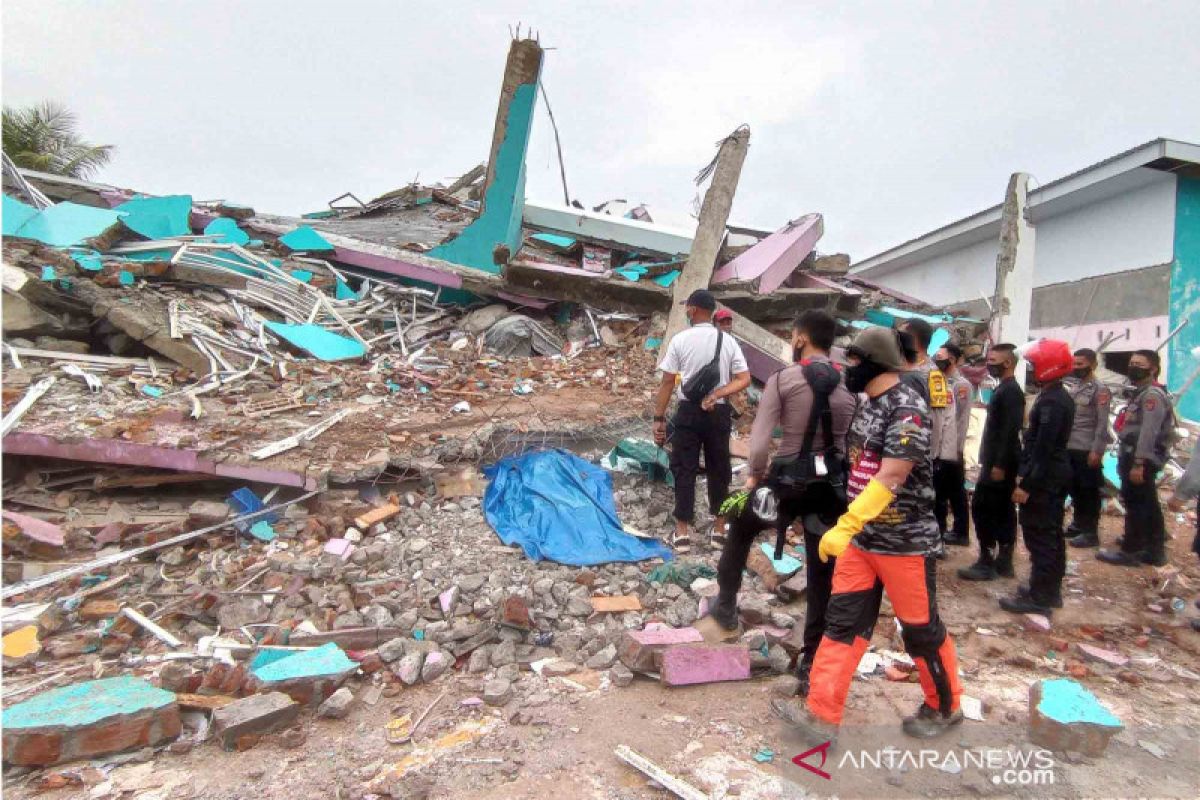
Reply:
x=820, y=411
x=716, y=359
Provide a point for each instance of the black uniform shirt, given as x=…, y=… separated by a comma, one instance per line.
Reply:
x=1001, y=444
x=1044, y=460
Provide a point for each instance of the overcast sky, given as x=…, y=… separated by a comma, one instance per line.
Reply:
x=888, y=118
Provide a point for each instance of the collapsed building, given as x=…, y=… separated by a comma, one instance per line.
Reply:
x=328, y=386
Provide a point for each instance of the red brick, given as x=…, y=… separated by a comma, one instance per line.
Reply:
x=33, y=749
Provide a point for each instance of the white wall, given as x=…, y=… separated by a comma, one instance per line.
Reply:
x=1131, y=229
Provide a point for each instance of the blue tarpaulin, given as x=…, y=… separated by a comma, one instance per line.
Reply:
x=557, y=506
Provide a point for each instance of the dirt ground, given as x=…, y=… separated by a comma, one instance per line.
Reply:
x=559, y=741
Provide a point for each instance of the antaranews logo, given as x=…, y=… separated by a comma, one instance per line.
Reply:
x=1008, y=766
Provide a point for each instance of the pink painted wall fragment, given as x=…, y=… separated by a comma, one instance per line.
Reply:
x=769, y=263
x=689, y=664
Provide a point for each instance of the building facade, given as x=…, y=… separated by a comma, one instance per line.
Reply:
x=1117, y=260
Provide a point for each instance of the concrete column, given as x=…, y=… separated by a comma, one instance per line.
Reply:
x=503, y=200
x=710, y=230
x=1013, y=300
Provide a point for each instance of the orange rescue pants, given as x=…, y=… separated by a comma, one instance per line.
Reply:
x=859, y=580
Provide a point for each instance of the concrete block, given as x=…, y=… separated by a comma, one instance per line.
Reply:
x=89, y=719
x=688, y=664
x=254, y=715
x=1065, y=716
x=638, y=647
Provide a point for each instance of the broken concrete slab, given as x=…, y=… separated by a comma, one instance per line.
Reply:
x=257, y=714
x=689, y=664
x=88, y=719
x=766, y=265
x=308, y=676
x=1064, y=716
x=32, y=536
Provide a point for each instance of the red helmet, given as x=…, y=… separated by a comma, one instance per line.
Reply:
x=1051, y=359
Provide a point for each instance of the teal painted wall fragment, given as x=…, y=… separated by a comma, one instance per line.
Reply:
x=88, y=260
x=16, y=214
x=125, y=278
x=326, y=660
x=554, y=240
x=318, y=342
x=1185, y=296
x=1064, y=700
x=667, y=279
x=159, y=217
x=305, y=239
x=48, y=273
x=227, y=231
x=344, y=292
x=63, y=224
x=504, y=204
x=302, y=275
x=86, y=703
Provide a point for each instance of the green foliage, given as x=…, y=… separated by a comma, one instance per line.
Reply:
x=43, y=137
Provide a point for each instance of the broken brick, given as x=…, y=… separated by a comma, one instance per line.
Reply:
x=89, y=719
x=1102, y=656
x=514, y=612
x=637, y=648
x=254, y=715
x=1064, y=716
x=689, y=664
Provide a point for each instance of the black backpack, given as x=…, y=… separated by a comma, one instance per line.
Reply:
x=706, y=381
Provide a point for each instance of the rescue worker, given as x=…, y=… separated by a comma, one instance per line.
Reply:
x=949, y=478
x=1089, y=439
x=914, y=342
x=885, y=541
x=1043, y=478
x=999, y=456
x=810, y=403
x=702, y=420
x=1145, y=443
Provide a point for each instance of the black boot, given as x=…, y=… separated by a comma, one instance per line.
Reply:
x=1004, y=567
x=1025, y=604
x=725, y=611
x=929, y=723
x=1154, y=559
x=957, y=540
x=1120, y=558
x=982, y=570
x=802, y=671
x=1085, y=540
x=1055, y=599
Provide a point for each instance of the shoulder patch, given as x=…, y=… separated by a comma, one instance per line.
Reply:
x=1151, y=403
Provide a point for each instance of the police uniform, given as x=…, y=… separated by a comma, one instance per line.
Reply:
x=1089, y=434
x=788, y=401
x=1145, y=438
x=1045, y=473
x=948, y=476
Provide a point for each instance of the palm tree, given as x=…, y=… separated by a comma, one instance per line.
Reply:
x=43, y=137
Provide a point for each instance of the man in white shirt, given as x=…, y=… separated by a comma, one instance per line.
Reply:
x=700, y=424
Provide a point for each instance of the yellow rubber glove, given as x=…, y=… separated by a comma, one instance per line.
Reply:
x=869, y=504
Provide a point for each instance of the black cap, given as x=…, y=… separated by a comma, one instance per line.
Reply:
x=701, y=298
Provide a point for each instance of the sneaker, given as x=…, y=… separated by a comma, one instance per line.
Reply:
x=929, y=723
x=1024, y=591
x=1025, y=604
x=958, y=541
x=1119, y=558
x=812, y=730
x=979, y=571
x=717, y=536
x=1085, y=540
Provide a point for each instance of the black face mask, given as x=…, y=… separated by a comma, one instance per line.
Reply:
x=1138, y=374
x=942, y=363
x=995, y=370
x=1082, y=374
x=862, y=373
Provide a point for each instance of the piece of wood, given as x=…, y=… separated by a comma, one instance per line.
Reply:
x=202, y=702
x=602, y=604
x=156, y=630
x=710, y=230
x=375, y=515
x=95, y=610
